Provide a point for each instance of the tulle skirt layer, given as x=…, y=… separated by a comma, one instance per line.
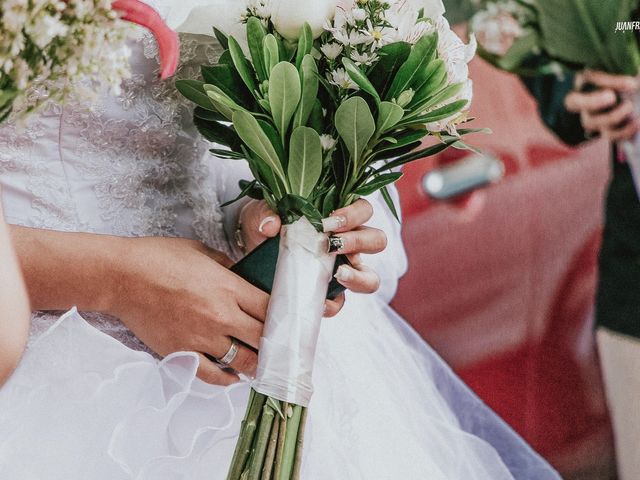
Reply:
x=83, y=406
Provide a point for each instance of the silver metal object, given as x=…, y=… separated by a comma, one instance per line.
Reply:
x=468, y=174
x=231, y=354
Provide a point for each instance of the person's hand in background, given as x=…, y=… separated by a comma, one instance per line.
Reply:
x=608, y=109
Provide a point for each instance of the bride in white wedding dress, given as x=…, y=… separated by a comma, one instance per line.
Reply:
x=91, y=400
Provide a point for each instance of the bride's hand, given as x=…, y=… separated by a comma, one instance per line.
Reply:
x=178, y=295
x=258, y=222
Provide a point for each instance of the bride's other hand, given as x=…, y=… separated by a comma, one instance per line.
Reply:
x=174, y=294
x=258, y=222
x=178, y=295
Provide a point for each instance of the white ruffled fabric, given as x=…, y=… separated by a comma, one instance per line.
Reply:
x=82, y=406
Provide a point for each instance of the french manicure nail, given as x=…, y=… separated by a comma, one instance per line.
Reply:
x=265, y=221
x=333, y=223
x=344, y=274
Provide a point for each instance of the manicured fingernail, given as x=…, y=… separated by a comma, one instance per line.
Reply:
x=333, y=223
x=343, y=274
x=265, y=221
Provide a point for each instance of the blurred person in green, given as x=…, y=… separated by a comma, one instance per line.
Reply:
x=577, y=115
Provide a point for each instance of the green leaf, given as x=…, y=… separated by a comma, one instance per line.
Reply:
x=435, y=80
x=272, y=133
x=360, y=78
x=392, y=56
x=227, y=79
x=441, y=113
x=442, y=96
x=226, y=154
x=405, y=142
x=421, y=55
x=389, y=114
x=243, y=193
x=222, y=38
x=271, y=53
x=389, y=201
x=284, y=95
x=209, y=115
x=356, y=126
x=194, y=91
x=242, y=65
x=309, y=81
x=217, y=133
x=316, y=119
x=305, y=44
x=221, y=101
x=257, y=140
x=417, y=155
x=305, y=160
x=255, y=37
x=291, y=207
x=377, y=183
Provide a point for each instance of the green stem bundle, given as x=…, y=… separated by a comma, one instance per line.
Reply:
x=270, y=443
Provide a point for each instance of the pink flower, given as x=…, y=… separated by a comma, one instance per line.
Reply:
x=168, y=45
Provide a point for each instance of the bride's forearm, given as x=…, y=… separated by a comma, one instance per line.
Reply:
x=63, y=269
x=14, y=313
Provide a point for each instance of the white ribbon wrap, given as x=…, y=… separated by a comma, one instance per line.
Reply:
x=288, y=345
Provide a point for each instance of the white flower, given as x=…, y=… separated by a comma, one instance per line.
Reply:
x=359, y=14
x=288, y=16
x=349, y=38
x=497, y=27
x=455, y=54
x=331, y=50
x=327, y=142
x=433, y=9
x=46, y=28
x=363, y=58
x=340, y=78
x=378, y=35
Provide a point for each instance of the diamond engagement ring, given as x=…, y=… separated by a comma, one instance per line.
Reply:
x=335, y=243
x=230, y=356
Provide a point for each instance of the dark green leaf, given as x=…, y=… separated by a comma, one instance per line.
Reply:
x=360, y=78
x=440, y=113
x=421, y=55
x=217, y=133
x=291, y=207
x=243, y=193
x=377, y=183
x=208, y=115
x=222, y=38
x=194, y=91
x=226, y=154
x=389, y=201
x=392, y=56
x=410, y=157
x=242, y=65
x=389, y=114
x=227, y=79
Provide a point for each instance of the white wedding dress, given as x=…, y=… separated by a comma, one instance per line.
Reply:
x=89, y=401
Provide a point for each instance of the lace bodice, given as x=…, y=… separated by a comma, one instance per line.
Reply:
x=130, y=166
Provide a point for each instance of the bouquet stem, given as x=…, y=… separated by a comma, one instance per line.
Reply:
x=270, y=442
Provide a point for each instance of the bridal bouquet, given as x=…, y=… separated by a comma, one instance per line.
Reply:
x=563, y=33
x=49, y=48
x=325, y=103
